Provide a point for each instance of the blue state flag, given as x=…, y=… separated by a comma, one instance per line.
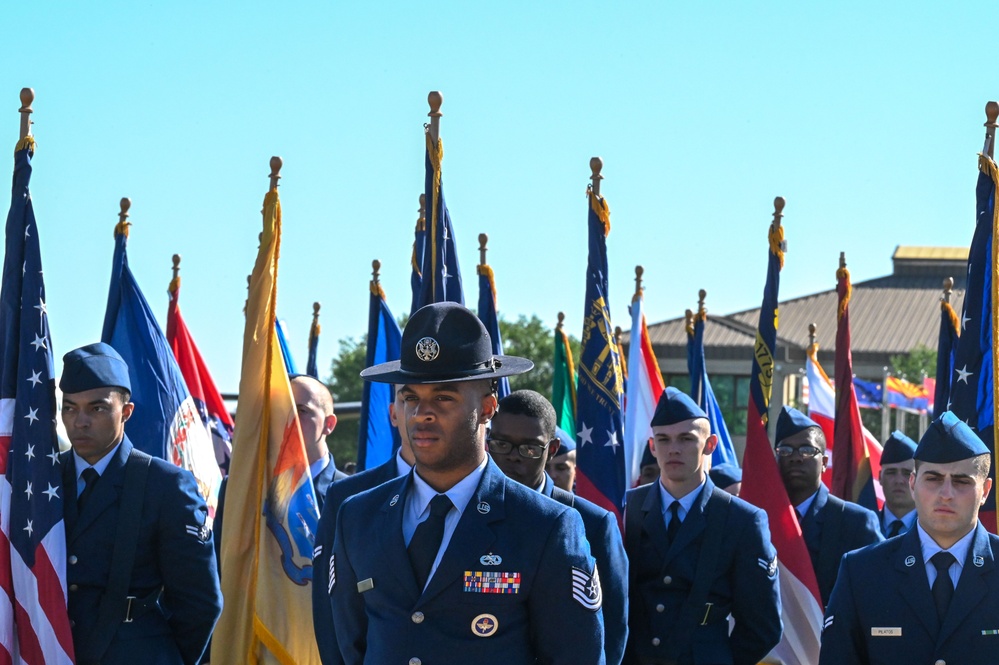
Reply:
x=490, y=318
x=165, y=422
x=440, y=274
x=870, y=394
x=600, y=389
x=378, y=439
x=971, y=392
x=282, y=335
x=700, y=390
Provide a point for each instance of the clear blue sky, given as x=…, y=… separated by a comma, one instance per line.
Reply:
x=866, y=116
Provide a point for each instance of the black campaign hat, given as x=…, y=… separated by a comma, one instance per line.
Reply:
x=445, y=343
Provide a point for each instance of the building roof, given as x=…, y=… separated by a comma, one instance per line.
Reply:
x=888, y=315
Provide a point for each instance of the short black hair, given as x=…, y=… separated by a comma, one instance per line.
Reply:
x=125, y=395
x=532, y=404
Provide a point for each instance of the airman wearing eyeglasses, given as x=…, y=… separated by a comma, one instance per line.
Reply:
x=521, y=441
x=831, y=527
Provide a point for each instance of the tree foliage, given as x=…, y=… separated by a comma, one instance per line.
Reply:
x=913, y=366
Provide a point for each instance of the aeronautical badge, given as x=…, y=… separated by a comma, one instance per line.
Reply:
x=484, y=625
x=490, y=559
x=332, y=581
x=586, y=588
x=201, y=532
x=427, y=349
x=491, y=581
x=910, y=561
x=769, y=566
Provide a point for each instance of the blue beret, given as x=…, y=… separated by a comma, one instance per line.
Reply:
x=675, y=406
x=648, y=459
x=790, y=422
x=93, y=366
x=898, y=448
x=947, y=440
x=566, y=441
x=724, y=475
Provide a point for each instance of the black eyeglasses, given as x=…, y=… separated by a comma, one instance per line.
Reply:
x=804, y=451
x=528, y=450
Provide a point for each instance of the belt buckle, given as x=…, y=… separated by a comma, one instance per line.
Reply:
x=128, y=610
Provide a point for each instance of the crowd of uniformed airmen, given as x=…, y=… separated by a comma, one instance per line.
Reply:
x=469, y=546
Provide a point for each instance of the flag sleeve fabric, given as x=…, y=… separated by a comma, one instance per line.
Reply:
x=644, y=388
x=599, y=393
x=271, y=512
x=34, y=623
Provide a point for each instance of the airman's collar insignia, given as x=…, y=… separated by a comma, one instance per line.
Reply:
x=979, y=561
x=910, y=561
x=394, y=500
x=483, y=507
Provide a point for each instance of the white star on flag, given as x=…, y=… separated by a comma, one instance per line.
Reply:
x=51, y=492
x=27, y=489
x=963, y=374
x=30, y=452
x=41, y=307
x=36, y=378
x=612, y=441
x=28, y=528
x=39, y=343
x=964, y=320
x=32, y=416
x=54, y=456
x=585, y=435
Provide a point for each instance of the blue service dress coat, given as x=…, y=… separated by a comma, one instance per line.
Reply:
x=531, y=550
x=607, y=547
x=742, y=571
x=832, y=527
x=340, y=491
x=174, y=553
x=882, y=611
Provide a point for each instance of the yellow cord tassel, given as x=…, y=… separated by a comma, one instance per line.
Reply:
x=842, y=273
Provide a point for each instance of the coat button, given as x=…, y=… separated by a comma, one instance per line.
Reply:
x=667, y=580
x=417, y=617
x=660, y=608
x=940, y=662
x=72, y=559
x=415, y=661
x=73, y=587
x=655, y=641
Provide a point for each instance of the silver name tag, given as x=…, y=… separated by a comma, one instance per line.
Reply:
x=886, y=632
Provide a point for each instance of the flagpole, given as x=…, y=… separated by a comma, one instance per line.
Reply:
x=276, y=164
x=123, y=207
x=176, y=267
x=991, y=114
x=27, y=97
x=315, y=313
x=639, y=271
x=483, y=239
x=596, y=165
x=435, y=99
x=376, y=267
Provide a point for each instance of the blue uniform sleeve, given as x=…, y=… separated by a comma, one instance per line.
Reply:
x=842, y=643
x=322, y=613
x=186, y=554
x=755, y=593
x=567, y=626
x=350, y=619
x=613, y=567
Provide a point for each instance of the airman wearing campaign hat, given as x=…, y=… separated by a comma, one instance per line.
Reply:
x=429, y=565
x=694, y=549
x=899, y=512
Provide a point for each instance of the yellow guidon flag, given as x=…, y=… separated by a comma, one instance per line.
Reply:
x=270, y=504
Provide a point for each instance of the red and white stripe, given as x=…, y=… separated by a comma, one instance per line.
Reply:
x=645, y=387
x=34, y=627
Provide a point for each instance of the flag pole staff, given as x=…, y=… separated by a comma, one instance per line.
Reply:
x=701, y=310
x=596, y=165
x=123, y=207
x=483, y=239
x=276, y=164
x=176, y=266
x=435, y=99
x=639, y=271
x=561, y=321
x=811, y=333
x=376, y=267
x=617, y=336
x=315, y=313
x=948, y=288
x=688, y=321
x=991, y=114
x=27, y=97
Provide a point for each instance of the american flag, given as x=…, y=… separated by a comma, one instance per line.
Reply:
x=34, y=624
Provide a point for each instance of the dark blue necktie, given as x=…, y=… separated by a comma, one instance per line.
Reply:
x=943, y=587
x=674, y=521
x=90, y=478
x=894, y=528
x=427, y=539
